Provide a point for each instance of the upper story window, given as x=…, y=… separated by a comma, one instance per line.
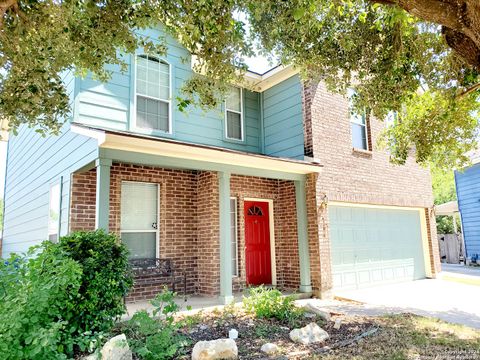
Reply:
x=153, y=105
x=358, y=124
x=234, y=115
x=391, y=119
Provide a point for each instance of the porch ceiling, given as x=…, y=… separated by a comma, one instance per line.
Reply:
x=148, y=150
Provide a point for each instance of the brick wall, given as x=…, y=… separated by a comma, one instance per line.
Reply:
x=189, y=222
x=357, y=176
x=177, y=217
x=82, y=201
x=362, y=177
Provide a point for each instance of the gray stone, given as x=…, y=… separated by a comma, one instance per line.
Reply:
x=215, y=350
x=116, y=349
x=310, y=334
x=270, y=349
x=93, y=356
x=338, y=324
x=311, y=308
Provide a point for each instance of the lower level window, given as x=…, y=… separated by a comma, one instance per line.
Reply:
x=139, y=219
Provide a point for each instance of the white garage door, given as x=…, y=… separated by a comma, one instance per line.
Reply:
x=373, y=246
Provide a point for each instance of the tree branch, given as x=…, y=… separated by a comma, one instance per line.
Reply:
x=7, y=5
x=460, y=21
x=469, y=90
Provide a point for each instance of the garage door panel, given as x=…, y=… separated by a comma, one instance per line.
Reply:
x=371, y=246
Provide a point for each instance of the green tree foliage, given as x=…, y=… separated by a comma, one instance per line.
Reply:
x=443, y=184
x=396, y=54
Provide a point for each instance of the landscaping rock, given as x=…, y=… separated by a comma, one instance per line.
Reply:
x=215, y=350
x=338, y=324
x=233, y=334
x=94, y=356
x=310, y=334
x=270, y=349
x=116, y=349
x=311, y=308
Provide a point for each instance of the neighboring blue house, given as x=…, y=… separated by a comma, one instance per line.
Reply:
x=467, y=183
x=232, y=197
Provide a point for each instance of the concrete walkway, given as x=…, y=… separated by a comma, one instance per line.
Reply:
x=448, y=300
x=460, y=269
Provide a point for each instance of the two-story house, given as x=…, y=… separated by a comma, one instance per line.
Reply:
x=281, y=185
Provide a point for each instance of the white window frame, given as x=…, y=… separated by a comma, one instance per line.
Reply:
x=58, y=183
x=169, y=101
x=157, y=230
x=236, y=271
x=236, y=112
x=353, y=120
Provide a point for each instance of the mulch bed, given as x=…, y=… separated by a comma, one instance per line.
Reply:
x=253, y=333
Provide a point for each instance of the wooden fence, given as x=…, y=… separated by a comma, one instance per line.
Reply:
x=451, y=248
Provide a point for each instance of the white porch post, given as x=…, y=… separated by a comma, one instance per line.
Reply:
x=225, y=238
x=102, y=208
x=303, y=250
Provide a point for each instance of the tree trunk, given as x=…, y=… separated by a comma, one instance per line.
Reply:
x=460, y=21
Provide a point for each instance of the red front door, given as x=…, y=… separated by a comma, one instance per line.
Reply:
x=257, y=243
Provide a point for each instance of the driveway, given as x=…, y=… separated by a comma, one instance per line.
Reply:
x=453, y=300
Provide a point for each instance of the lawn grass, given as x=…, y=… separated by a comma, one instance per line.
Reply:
x=407, y=336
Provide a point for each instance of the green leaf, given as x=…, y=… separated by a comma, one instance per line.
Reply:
x=298, y=13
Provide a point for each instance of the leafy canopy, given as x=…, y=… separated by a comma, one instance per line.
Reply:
x=394, y=61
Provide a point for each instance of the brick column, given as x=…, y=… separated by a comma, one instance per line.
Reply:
x=208, y=234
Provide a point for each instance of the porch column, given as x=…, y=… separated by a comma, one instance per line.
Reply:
x=102, y=208
x=303, y=250
x=225, y=238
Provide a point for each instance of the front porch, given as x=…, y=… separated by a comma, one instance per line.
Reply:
x=205, y=216
x=196, y=303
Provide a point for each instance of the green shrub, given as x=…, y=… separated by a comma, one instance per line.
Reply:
x=106, y=279
x=270, y=303
x=153, y=338
x=59, y=298
x=36, y=295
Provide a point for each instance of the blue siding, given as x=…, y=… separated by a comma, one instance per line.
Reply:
x=33, y=163
x=468, y=194
x=110, y=105
x=283, y=119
